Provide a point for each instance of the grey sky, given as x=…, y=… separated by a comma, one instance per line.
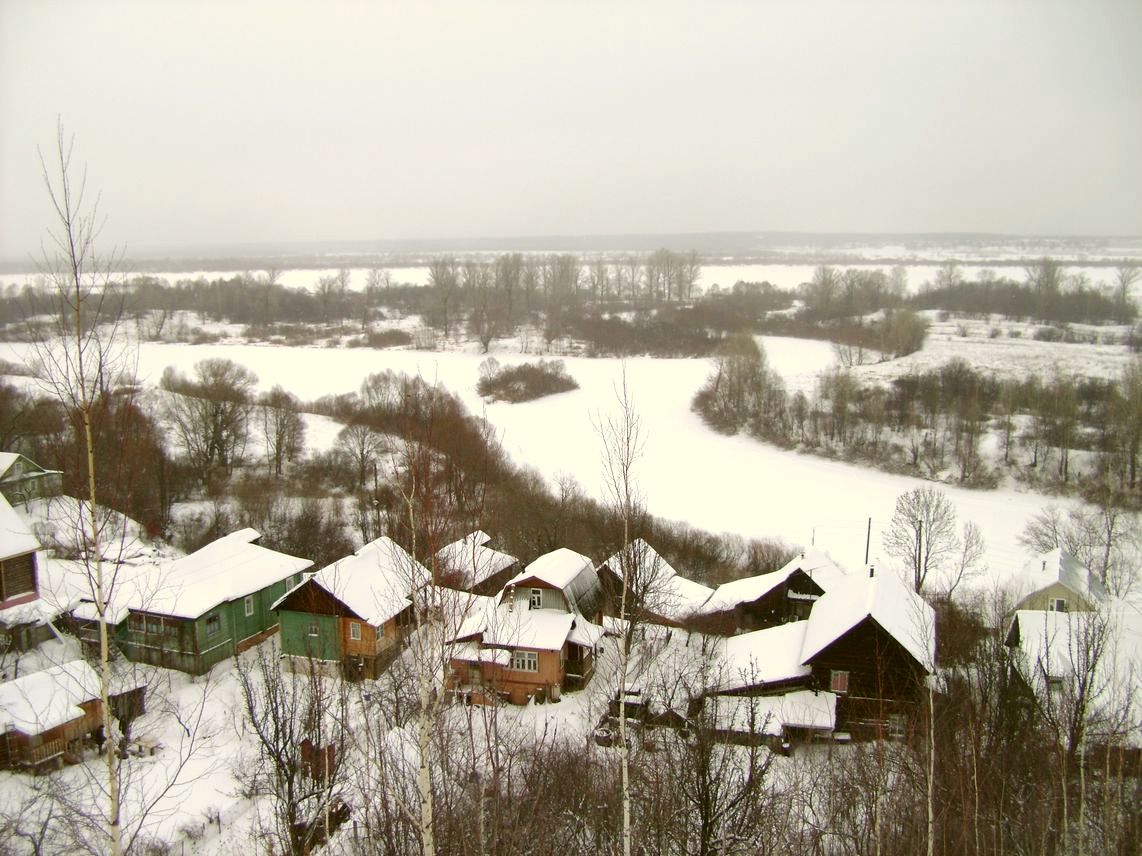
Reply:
x=242, y=122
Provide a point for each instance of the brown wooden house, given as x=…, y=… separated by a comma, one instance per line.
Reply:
x=868, y=641
x=23, y=615
x=353, y=612
x=769, y=599
x=45, y=717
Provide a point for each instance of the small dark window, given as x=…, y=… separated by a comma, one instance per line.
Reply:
x=839, y=681
x=213, y=624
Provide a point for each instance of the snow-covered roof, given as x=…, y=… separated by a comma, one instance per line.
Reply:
x=471, y=652
x=375, y=582
x=37, y=611
x=226, y=569
x=473, y=559
x=585, y=633
x=665, y=592
x=814, y=563
x=1055, y=646
x=44, y=700
x=564, y=569
x=763, y=656
x=899, y=611
x=772, y=714
x=507, y=625
x=9, y=459
x=16, y=537
x=1055, y=566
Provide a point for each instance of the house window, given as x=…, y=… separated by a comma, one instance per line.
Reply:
x=155, y=625
x=381, y=630
x=839, y=681
x=355, y=631
x=525, y=661
x=896, y=725
x=249, y=605
x=314, y=630
x=1057, y=604
x=213, y=624
x=536, y=601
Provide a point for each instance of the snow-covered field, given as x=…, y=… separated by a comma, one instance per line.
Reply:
x=687, y=472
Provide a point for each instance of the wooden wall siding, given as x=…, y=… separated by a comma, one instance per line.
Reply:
x=174, y=646
x=776, y=606
x=883, y=678
x=296, y=641
x=18, y=579
x=1041, y=600
x=35, y=750
x=552, y=597
x=518, y=686
x=313, y=598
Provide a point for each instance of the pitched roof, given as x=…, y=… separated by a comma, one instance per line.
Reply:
x=814, y=563
x=570, y=572
x=900, y=612
x=16, y=537
x=473, y=559
x=1055, y=566
x=41, y=701
x=1054, y=646
x=764, y=656
x=224, y=570
x=665, y=592
x=375, y=582
x=9, y=460
x=507, y=626
x=772, y=714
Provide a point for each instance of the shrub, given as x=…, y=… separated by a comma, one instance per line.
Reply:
x=523, y=382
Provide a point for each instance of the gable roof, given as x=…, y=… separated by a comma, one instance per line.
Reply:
x=16, y=537
x=375, y=582
x=1057, y=645
x=229, y=568
x=1055, y=566
x=473, y=559
x=44, y=700
x=764, y=656
x=899, y=611
x=8, y=460
x=570, y=572
x=814, y=563
x=666, y=593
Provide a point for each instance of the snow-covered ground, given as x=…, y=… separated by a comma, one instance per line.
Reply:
x=687, y=472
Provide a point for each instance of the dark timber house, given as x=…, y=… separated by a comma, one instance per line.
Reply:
x=24, y=616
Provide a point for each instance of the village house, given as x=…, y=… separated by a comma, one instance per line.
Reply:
x=656, y=593
x=22, y=479
x=864, y=651
x=194, y=612
x=46, y=716
x=769, y=599
x=1083, y=667
x=353, y=612
x=1058, y=582
x=24, y=616
x=533, y=641
x=471, y=565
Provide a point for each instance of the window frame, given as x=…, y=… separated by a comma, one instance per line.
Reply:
x=839, y=681
x=248, y=605
x=1057, y=604
x=355, y=631
x=522, y=661
x=535, y=599
x=213, y=624
x=314, y=630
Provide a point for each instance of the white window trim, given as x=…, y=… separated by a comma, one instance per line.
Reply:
x=248, y=605
x=525, y=661
x=535, y=601
x=314, y=629
x=355, y=631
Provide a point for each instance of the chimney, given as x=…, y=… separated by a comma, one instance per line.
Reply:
x=871, y=571
x=1044, y=565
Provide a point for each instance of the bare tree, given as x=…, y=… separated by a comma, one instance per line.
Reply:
x=922, y=535
x=362, y=446
x=282, y=427
x=1125, y=277
x=210, y=413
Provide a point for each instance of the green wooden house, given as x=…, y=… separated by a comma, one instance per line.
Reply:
x=353, y=613
x=194, y=612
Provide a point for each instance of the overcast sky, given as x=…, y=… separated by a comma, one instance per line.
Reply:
x=247, y=122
